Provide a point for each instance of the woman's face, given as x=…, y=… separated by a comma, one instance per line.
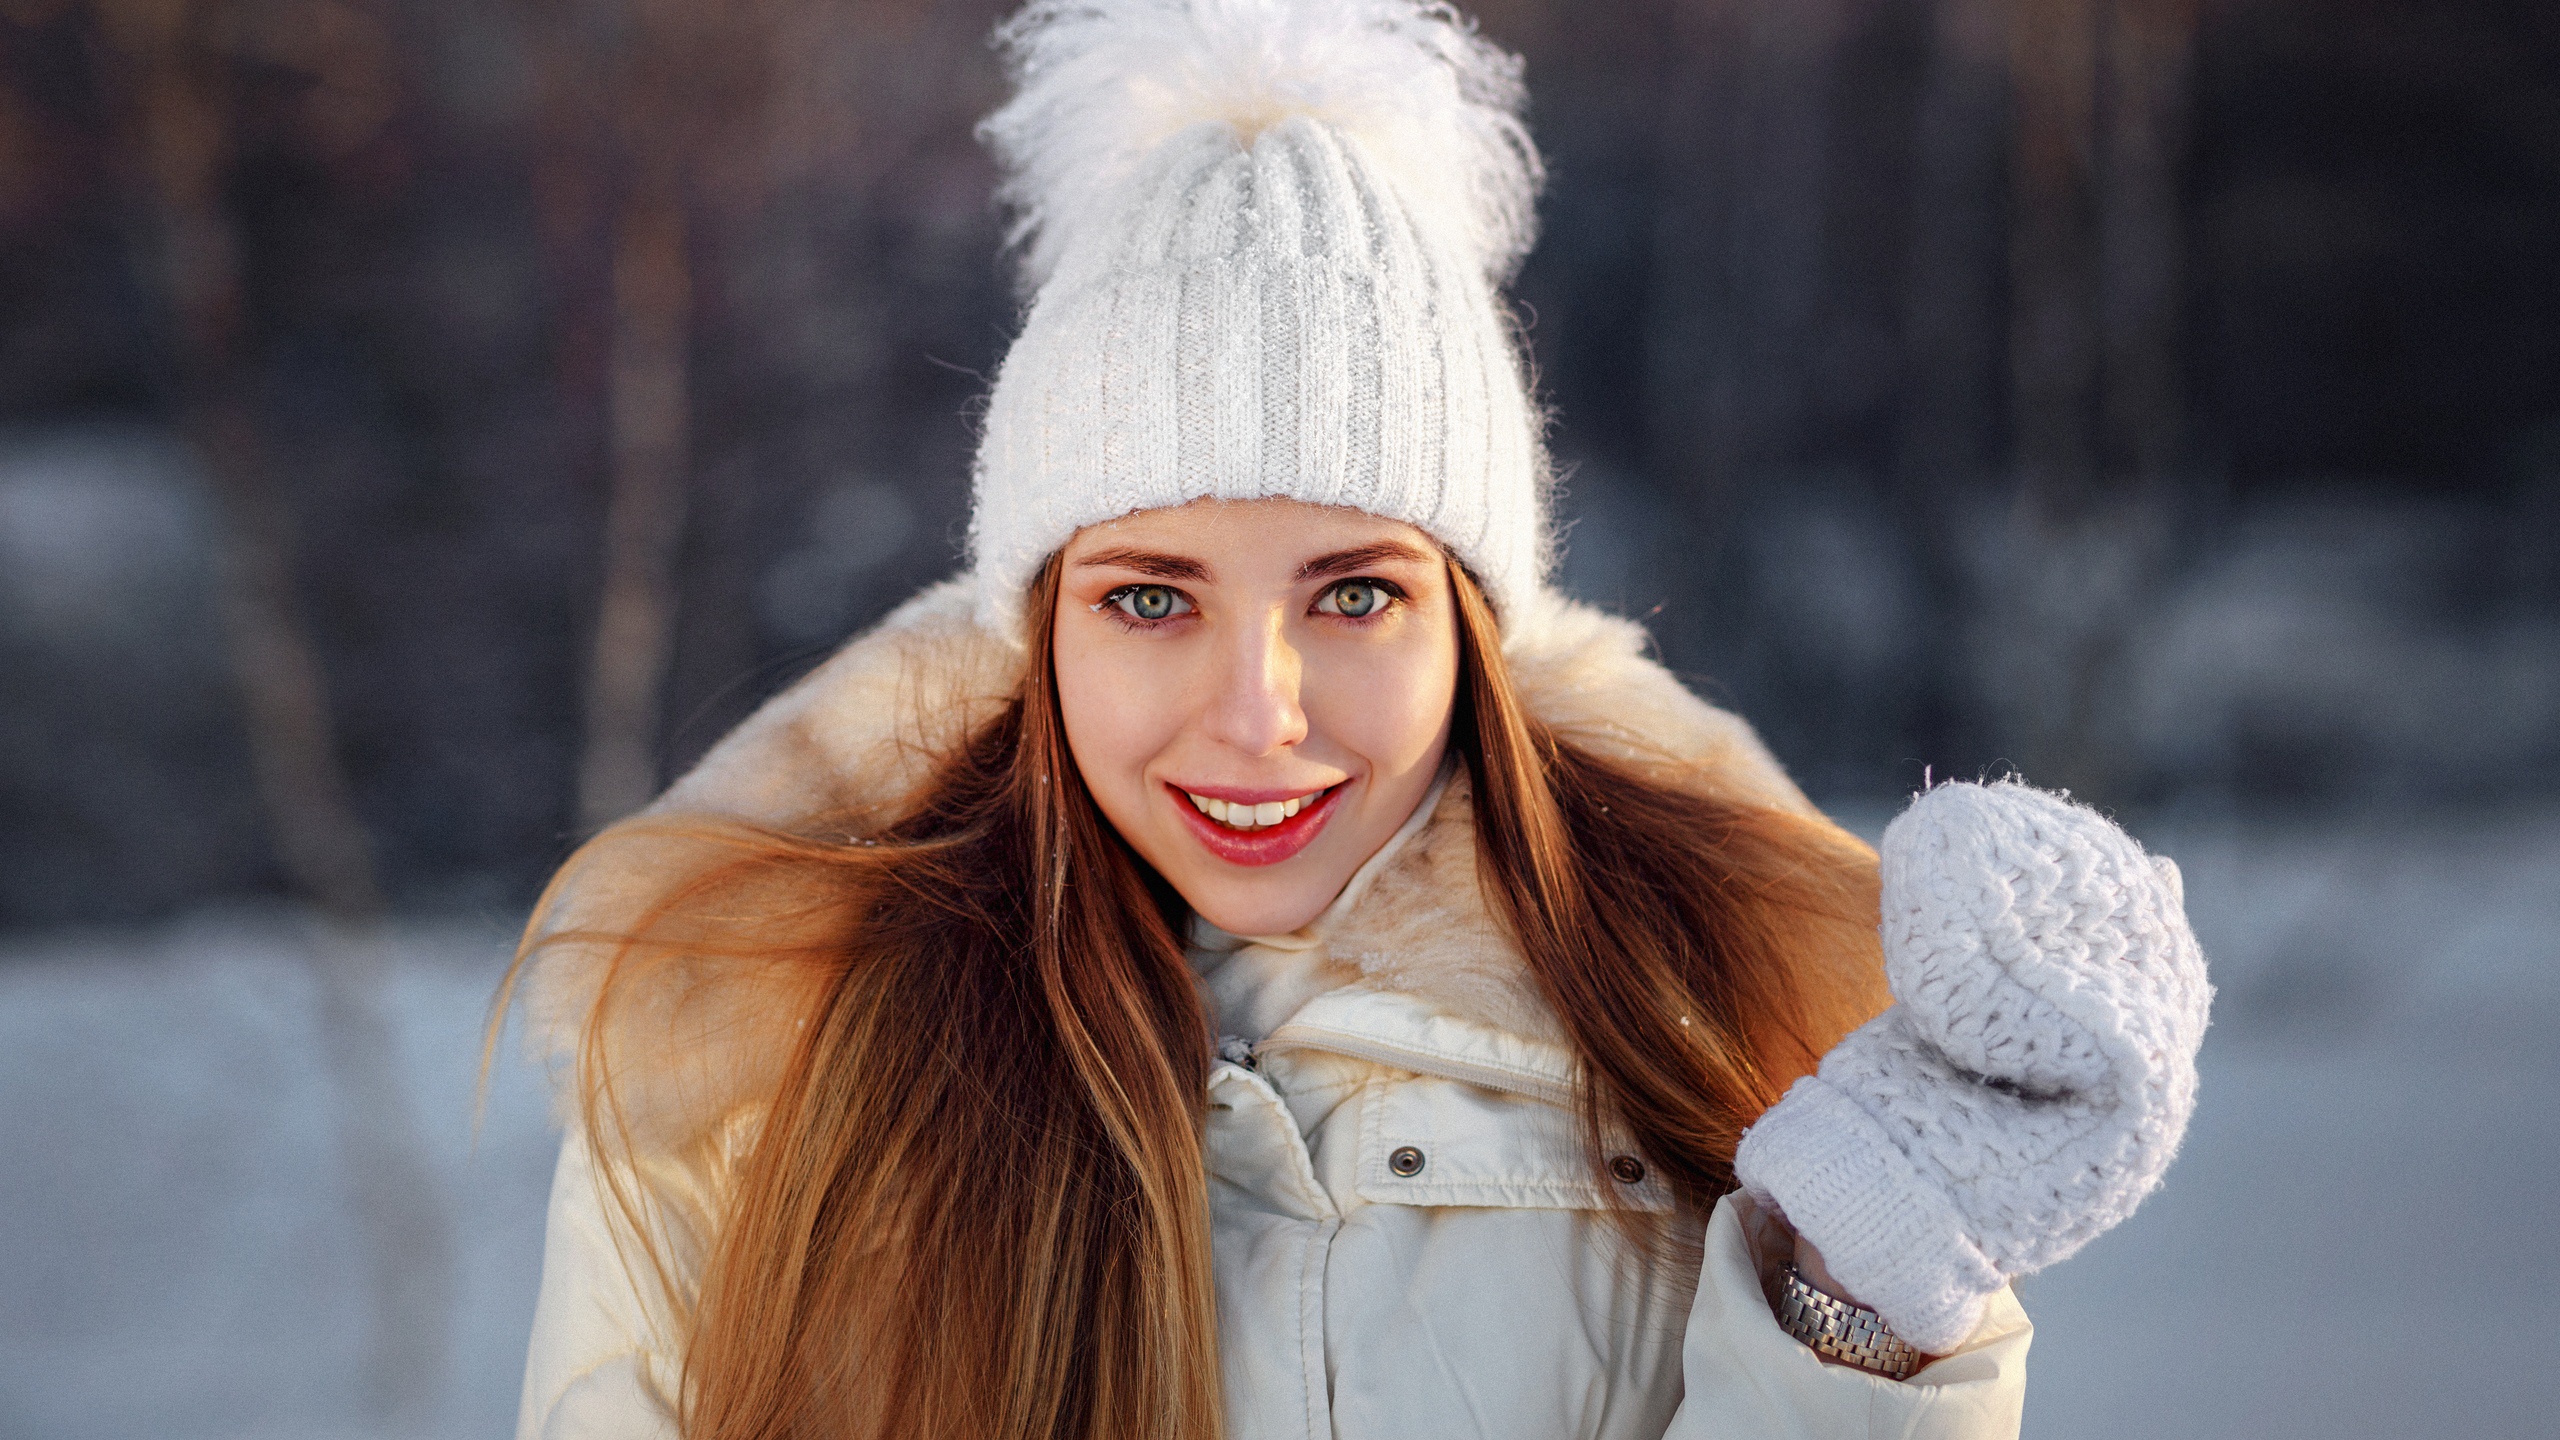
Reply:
x=1257, y=693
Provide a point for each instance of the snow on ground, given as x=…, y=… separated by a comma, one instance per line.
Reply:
x=2359, y=1240
x=178, y=1254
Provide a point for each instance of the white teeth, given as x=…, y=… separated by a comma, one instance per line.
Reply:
x=1240, y=816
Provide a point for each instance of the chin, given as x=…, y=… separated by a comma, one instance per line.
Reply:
x=1260, y=914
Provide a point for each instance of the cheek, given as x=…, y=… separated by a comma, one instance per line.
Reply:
x=1392, y=708
x=1114, y=724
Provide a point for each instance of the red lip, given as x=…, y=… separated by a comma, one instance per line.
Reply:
x=1268, y=846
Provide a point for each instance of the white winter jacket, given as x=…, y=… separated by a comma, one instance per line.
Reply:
x=1409, y=1243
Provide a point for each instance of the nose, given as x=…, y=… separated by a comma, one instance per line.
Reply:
x=1255, y=708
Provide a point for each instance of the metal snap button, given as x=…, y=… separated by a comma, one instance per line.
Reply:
x=1628, y=1169
x=1405, y=1161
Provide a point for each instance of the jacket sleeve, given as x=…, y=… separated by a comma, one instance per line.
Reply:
x=593, y=1369
x=1745, y=1377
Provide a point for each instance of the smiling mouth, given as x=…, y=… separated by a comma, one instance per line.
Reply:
x=1243, y=818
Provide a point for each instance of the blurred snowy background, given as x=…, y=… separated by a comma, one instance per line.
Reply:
x=425, y=427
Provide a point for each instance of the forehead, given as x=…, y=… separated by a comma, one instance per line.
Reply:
x=1241, y=532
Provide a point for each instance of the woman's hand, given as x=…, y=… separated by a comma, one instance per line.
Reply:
x=2031, y=1084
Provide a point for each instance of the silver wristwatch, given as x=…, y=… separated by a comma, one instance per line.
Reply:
x=1845, y=1332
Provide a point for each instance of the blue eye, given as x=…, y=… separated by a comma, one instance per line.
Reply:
x=1354, y=599
x=1150, y=602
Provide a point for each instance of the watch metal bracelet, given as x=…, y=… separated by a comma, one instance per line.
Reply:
x=1845, y=1332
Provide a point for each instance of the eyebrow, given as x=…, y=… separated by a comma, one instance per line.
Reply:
x=1361, y=557
x=1148, y=562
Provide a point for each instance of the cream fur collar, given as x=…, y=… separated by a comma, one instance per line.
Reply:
x=863, y=729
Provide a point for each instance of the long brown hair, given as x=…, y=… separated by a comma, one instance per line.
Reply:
x=974, y=1202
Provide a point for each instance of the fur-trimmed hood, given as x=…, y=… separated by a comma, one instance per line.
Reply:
x=863, y=730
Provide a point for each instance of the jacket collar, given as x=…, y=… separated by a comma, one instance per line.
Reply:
x=1388, y=1027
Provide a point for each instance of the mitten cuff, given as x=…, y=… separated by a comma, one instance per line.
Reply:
x=1890, y=1236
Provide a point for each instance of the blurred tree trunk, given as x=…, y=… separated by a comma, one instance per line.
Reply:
x=2100, y=97
x=177, y=135
x=2101, y=109
x=2036, y=628
x=644, y=517
x=1952, y=383
x=1951, y=341
x=664, y=88
x=2053, y=255
x=1735, y=282
x=1737, y=268
x=692, y=110
x=2150, y=47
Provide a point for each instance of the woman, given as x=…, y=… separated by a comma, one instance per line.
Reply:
x=1248, y=959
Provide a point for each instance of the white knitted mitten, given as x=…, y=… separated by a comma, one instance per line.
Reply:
x=2031, y=1084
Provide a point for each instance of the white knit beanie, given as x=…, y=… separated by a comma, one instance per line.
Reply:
x=1263, y=240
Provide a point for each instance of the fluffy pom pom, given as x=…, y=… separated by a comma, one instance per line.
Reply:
x=1101, y=83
